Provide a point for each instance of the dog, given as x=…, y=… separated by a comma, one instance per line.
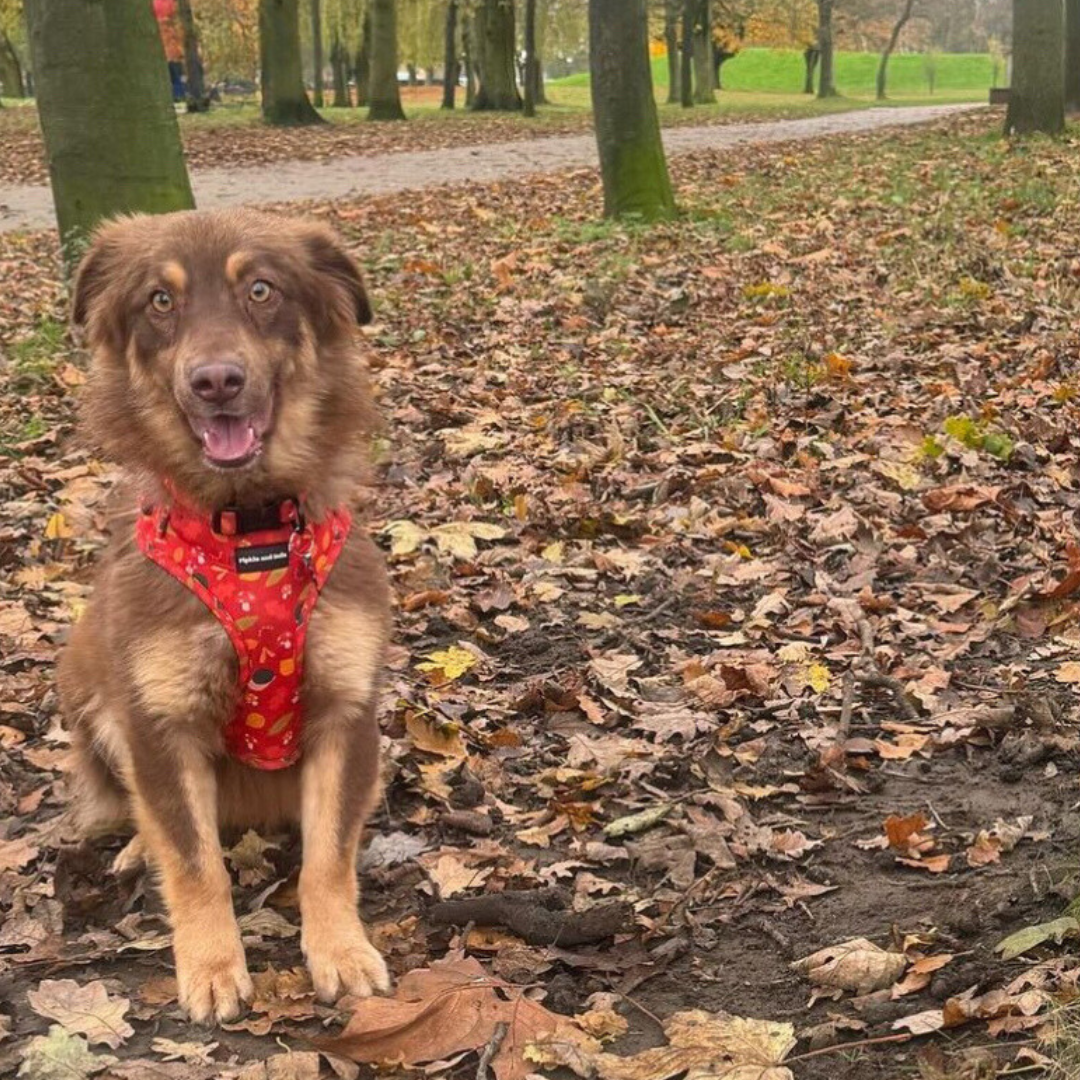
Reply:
x=226, y=669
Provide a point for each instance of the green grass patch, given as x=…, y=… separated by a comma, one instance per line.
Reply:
x=34, y=357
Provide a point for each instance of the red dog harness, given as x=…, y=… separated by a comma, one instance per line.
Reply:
x=260, y=573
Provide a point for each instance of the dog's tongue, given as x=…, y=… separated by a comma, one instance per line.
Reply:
x=228, y=438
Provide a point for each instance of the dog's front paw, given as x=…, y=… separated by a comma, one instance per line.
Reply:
x=342, y=960
x=212, y=975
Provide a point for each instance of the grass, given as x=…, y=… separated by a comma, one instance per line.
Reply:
x=958, y=77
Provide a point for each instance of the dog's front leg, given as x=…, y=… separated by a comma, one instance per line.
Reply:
x=339, y=787
x=175, y=803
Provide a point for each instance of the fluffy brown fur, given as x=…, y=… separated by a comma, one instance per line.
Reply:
x=149, y=678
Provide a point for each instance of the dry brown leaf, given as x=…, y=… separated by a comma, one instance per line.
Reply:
x=857, y=965
x=84, y=1010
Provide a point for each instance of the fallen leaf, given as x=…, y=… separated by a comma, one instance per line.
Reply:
x=84, y=1010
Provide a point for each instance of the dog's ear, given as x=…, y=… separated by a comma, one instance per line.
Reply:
x=94, y=272
x=331, y=261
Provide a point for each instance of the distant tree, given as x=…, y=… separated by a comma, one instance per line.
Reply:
x=339, y=72
x=284, y=100
x=1072, y=55
x=529, y=79
x=11, y=75
x=632, y=161
x=497, y=43
x=451, y=67
x=198, y=100
x=106, y=112
x=363, y=62
x=826, y=83
x=703, y=56
x=907, y=6
x=1037, y=99
x=384, y=94
x=811, y=57
x=686, y=58
x=469, y=60
x=671, y=44
x=316, y=53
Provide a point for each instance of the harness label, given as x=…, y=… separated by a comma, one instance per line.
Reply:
x=254, y=560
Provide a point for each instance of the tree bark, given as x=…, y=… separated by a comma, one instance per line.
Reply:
x=671, y=43
x=826, y=84
x=720, y=57
x=632, y=161
x=198, y=100
x=284, y=100
x=451, y=70
x=894, y=37
x=11, y=76
x=496, y=44
x=530, y=58
x=339, y=67
x=106, y=112
x=811, y=56
x=316, y=53
x=384, y=95
x=1037, y=99
x=703, y=68
x=1072, y=55
x=686, y=60
x=362, y=69
x=468, y=57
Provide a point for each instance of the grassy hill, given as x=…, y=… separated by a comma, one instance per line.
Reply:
x=959, y=76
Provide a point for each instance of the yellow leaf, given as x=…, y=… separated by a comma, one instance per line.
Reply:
x=448, y=664
x=1069, y=672
x=405, y=537
x=625, y=599
x=818, y=678
x=442, y=739
x=58, y=528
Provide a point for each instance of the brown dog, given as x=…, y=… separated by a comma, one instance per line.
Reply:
x=226, y=377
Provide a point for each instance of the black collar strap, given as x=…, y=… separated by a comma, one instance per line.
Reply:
x=238, y=520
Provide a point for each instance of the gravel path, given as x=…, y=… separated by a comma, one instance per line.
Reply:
x=30, y=206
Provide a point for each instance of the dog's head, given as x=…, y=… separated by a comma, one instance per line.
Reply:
x=224, y=351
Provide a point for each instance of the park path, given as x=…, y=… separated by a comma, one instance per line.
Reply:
x=30, y=206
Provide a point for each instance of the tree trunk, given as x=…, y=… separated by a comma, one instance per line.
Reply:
x=811, y=56
x=1037, y=99
x=316, y=53
x=671, y=44
x=339, y=68
x=703, y=69
x=496, y=45
x=363, y=63
x=530, y=58
x=384, y=95
x=106, y=112
x=720, y=57
x=198, y=100
x=826, y=84
x=284, y=101
x=894, y=37
x=632, y=159
x=1072, y=55
x=686, y=60
x=11, y=76
x=451, y=71
x=468, y=55
x=414, y=78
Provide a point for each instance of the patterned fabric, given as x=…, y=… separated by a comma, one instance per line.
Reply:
x=262, y=587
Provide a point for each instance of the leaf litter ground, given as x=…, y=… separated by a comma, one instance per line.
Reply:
x=736, y=588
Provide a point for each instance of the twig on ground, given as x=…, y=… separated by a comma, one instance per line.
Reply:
x=491, y=1050
x=887, y=682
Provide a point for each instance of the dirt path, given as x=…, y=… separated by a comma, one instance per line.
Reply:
x=30, y=206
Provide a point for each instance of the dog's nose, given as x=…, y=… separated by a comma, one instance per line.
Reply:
x=217, y=383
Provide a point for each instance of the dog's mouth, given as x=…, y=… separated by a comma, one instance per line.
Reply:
x=230, y=442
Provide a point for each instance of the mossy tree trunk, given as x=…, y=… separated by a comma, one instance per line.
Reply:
x=468, y=59
x=529, y=104
x=1072, y=55
x=686, y=56
x=106, y=112
x=703, y=67
x=11, y=75
x=362, y=70
x=384, y=94
x=632, y=161
x=1037, y=98
x=826, y=82
x=451, y=68
x=198, y=100
x=339, y=72
x=497, y=43
x=316, y=53
x=890, y=45
x=284, y=100
x=671, y=44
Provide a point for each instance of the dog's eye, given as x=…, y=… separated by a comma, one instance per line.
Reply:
x=161, y=301
x=260, y=291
